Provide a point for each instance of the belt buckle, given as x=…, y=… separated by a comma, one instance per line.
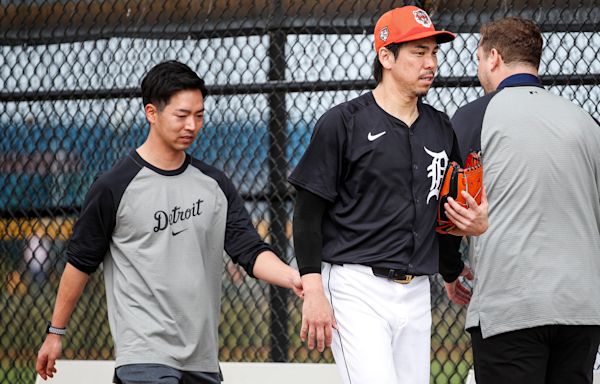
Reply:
x=407, y=279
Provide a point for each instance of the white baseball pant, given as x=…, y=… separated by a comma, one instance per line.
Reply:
x=384, y=327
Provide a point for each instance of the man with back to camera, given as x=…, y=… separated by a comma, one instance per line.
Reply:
x=534, y=314
x=160, y=220
x=366, y=205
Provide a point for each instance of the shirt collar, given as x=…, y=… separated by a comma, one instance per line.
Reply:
x=519, y=80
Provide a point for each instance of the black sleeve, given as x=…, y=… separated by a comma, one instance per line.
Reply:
x=308, y=238
x=467, y=123
x=93, y=230
x=242, y=242
x=450, y=258
x=455, y=155
x=320, y=169
x=451, y=264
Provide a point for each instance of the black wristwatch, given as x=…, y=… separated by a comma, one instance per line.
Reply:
x=55, y=331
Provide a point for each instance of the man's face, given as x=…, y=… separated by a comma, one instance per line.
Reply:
x=415, y=66
x=483, y=70
x=179, y=121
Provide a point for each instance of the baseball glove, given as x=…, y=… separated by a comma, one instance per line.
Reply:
x=457, y=179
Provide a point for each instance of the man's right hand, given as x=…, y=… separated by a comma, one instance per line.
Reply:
x=470, y=221
x=317, y=316
x=50, y=351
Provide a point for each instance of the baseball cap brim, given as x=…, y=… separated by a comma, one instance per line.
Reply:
x=440, y=36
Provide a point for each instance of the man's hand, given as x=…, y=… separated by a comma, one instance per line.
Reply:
x=268, y=267
x=71, y=286
x=458, y=293
x=317, y=316
x=50, y=351
x=471, y=221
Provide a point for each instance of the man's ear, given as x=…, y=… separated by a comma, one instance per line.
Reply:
x=386, y=57
x=495, y=59
x=151, y=113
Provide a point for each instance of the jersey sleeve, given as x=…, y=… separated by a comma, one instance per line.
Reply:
x=320, y=169
x=308, y=237
x=242, y=242
x=450, y=258
x=93, y=230
x=455, y=154
x=468, y=122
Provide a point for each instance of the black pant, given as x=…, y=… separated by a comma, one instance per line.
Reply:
x=550, y=354
x=161, y=374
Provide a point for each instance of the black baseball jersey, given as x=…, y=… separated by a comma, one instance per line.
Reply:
x=382, y=180
x=161, y=235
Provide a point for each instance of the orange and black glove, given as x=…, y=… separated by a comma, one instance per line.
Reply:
x=457, y=179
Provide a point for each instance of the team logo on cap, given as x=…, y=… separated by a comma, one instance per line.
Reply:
x=384, y=33
x=422, y=18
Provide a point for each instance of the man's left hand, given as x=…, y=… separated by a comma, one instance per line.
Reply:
x=458, y=293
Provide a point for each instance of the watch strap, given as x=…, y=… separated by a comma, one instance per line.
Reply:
x=55, y=330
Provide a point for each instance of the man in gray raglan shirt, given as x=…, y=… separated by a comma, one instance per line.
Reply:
x=534, y=314
x=160, y=221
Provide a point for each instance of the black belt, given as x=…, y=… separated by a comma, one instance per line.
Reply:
x=395, y=275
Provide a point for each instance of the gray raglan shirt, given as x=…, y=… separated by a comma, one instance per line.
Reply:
x=539, y=261
x=161, y=235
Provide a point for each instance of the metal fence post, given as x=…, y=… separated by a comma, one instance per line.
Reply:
x=278, y=186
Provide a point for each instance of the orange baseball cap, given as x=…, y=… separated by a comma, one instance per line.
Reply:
x=406, y=24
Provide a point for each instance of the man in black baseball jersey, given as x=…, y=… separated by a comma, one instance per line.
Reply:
x=535, y=312
x=367, y=198
x=159, y=220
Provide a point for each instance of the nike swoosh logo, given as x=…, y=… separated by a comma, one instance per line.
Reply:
x=177, y=233
x=372, y=137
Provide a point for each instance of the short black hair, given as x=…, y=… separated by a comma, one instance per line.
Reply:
x=166, y=79
x=377, y=67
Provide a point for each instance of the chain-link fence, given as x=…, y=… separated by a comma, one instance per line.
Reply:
x=69, y=107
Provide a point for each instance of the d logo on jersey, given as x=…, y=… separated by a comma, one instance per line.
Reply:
x=436, y=171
